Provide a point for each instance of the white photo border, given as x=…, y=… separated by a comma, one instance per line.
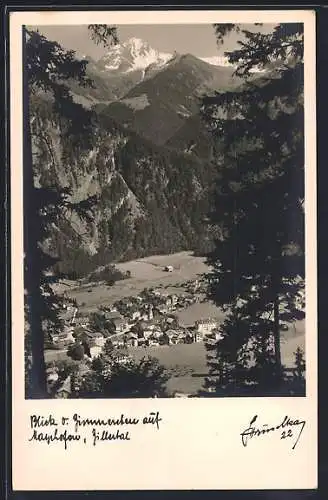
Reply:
x=198, y=445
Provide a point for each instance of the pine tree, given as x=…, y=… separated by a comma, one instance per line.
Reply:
x=46, y=68
x=109, y=378
x=258, y=264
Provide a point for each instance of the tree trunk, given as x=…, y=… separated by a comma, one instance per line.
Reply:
x=277, y=332
x=32, y=274
x=276, y=281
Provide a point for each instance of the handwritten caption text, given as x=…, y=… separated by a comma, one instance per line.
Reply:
x=71, y=429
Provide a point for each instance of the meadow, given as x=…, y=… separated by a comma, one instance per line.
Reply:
x=145, y=273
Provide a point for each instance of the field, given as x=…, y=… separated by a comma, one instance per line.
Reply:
x=186, y=361
x=191, y=359
x=145, y=273
x=199, y=310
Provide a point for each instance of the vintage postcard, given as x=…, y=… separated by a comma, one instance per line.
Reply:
x=163, y=222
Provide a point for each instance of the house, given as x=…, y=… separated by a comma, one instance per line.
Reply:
x=173, y=336
x=95, y=351
x=52, y=375
x=157, y=333
x=62, y=338
x=55, y=337
x=74, y=315
x=171, y=333
x=81, y=321
x=147, y=333
x=121, y=325
x=218, y=335
x=181, y=337
x=68, y=316
x=135, y=315
x=100, y=340
x=150, y=312
x=198, y=337
x=205, y=326
x=131, y=340
x=170, y=320
x=85, y=335
x=157, y=316
x=96, y=338
x=147, y=313
x=112, y=315
x=145, y=325
x=174, y=300
x=153, y=341
x=118, y=340
x=181, y=395
x=121, y=355
x=162, y=309
x=68, y=332
x=149, y=330
x=64, y=390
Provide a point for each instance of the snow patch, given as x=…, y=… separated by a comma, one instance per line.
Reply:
x=223, y=61
x=183, y=111
x=217, y=61
x=137, y=103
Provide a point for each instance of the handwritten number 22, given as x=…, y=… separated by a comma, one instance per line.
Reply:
x=287, y=434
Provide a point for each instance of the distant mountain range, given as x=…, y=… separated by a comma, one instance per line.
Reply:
x=130, y=63
x=152, y=93
x=168, y=95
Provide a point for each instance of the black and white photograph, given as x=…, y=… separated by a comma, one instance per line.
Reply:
x=164, y=210
x=163, y=249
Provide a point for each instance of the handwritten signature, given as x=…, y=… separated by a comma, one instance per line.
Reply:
x=288, y=428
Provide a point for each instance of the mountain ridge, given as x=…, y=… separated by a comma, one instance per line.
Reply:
x=128, y=64
x=158, y=106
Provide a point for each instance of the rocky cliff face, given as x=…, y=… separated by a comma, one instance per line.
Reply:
x=148, y=199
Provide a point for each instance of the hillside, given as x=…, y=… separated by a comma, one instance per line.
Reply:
x=107, y=86
x=149, y=163
x=150, y=199
x=157, y=107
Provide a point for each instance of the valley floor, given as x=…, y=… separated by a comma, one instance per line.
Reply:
x=145, y=273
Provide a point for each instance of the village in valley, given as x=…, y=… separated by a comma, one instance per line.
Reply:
x=130, y=325
x=157, y=310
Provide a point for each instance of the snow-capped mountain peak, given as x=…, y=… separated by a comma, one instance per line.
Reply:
x=133, y=54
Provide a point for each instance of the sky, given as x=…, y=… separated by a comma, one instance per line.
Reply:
x=198, y=39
